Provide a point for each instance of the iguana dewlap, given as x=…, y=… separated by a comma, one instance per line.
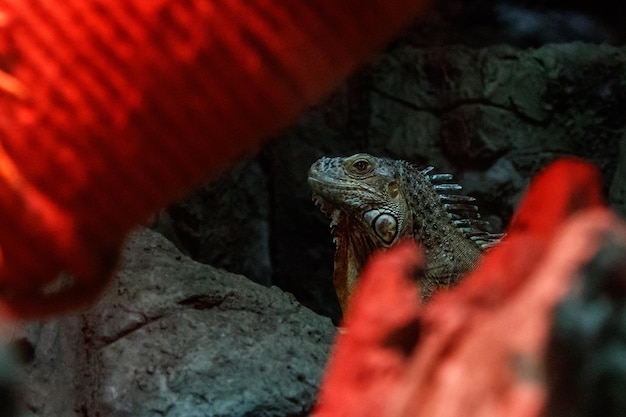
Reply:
x=375, y=202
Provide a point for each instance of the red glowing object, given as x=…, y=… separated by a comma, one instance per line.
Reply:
x=109, y=109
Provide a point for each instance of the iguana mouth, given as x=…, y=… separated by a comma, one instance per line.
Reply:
x=326, y=207
x=330, y=211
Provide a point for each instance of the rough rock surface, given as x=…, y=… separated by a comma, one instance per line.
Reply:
x=174, y=337
x=492, y=116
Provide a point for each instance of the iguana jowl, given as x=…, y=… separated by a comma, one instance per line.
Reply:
x=373, y=202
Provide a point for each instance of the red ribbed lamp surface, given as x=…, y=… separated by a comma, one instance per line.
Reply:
x=111, y=108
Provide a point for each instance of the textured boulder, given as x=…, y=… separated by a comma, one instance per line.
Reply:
x=178, y=338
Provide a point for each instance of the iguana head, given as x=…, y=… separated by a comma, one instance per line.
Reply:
x=364, y=191
x=363, y=197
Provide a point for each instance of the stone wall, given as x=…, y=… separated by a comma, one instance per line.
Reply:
x=174, y=337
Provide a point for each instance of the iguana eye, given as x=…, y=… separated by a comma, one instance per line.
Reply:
x=361, y=167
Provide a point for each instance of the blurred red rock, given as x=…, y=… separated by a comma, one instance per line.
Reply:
x=110, y=109
x=480, y=348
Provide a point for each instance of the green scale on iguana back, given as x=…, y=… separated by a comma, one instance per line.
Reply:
x=374, y=202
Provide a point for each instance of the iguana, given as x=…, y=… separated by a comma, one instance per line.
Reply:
x=374, y=202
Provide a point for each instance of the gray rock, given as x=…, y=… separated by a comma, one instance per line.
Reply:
x=174, y=337
x=499, y=114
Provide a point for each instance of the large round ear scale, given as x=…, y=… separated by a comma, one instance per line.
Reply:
x=386, y=227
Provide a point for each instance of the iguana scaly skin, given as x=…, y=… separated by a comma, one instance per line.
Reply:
x=374, y=202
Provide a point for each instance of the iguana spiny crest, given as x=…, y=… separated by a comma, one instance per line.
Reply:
x=374, y=202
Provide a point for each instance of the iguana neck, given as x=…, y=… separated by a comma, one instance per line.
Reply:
x=445, y=265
